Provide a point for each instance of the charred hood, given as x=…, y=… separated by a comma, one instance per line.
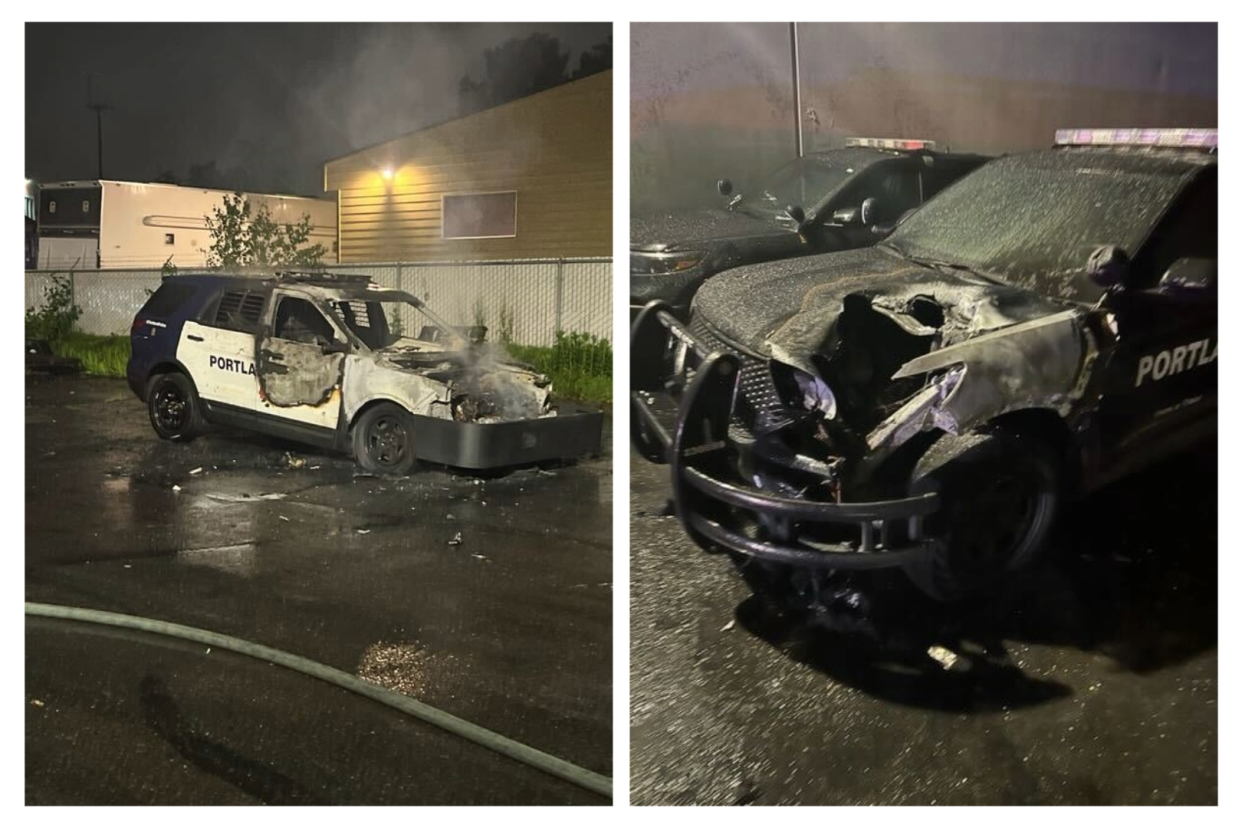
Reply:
x=790, y=307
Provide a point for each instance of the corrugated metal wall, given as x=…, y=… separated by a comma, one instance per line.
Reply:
x=715, y=100
x=553, y=148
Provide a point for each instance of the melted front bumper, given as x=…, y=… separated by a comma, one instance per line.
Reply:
x=686, y=419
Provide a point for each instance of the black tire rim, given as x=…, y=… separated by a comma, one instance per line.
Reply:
x=171, y=408
x=387, y=440
x=989, y=534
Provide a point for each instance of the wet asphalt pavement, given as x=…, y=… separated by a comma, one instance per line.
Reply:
x=1092, y=681
x=283, y=545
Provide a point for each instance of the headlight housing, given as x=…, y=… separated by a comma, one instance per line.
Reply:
x=804, y=391
x=655, y=264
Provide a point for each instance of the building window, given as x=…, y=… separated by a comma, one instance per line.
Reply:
x=479, y=215
x=170, y=238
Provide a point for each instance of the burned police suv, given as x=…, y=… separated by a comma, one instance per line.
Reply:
x=343, y=363
x=825, y=201
x=1044, y=326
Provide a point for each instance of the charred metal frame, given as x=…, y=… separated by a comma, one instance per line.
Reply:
x=890, y=532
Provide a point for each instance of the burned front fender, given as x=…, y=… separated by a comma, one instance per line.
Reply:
x=1041, y=364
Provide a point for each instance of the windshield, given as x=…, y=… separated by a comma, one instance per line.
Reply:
x=806, y=183
x=379, y=323
x=1033, y=220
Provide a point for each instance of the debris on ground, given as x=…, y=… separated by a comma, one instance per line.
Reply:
x=293, y=461
x=946, y=657
x=363, y=531
x=245, y=498
x=199, y=470
x=176, y=488
x=282, y=517
x=477, y=555
x=455, y=540
x=728, y=626
x=36, y=702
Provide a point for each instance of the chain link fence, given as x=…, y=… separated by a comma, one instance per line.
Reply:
x=522, y=301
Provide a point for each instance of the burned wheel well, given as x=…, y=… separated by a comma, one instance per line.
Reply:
x=369, y=404
x=166, y=368
x=1046, y=425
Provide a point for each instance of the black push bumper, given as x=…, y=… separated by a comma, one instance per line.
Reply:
x=574, y=432
x=686, y=424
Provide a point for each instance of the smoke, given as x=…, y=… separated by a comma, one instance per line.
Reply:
x=254, y=98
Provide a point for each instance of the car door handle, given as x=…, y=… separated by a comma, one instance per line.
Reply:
x=193, y=338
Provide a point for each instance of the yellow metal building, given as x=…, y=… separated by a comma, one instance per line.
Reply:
x=525, y=180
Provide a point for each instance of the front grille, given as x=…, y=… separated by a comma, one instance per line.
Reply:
x=758, y=403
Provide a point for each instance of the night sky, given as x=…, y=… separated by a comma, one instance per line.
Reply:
x=269, y=103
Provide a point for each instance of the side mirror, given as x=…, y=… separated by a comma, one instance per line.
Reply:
x=796, y=213
x=1108, y=266
x=867, y=212
x=724, y=186
x=329, y=348
x=846, y=215
x=1189, y=279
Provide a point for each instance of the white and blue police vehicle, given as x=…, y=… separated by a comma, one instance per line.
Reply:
x=342, y=363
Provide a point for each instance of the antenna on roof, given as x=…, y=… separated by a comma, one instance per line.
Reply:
x=99, y=111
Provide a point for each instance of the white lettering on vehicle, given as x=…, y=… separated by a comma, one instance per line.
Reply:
x=1156, y=367
x=225, y=364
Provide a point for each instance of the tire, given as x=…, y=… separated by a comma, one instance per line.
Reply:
x=1000, y=492
x=172, y=405
x=383, y=439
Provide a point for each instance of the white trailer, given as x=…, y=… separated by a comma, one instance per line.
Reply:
x=84, y=225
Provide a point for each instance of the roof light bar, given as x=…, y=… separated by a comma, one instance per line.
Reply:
x=891, y=143
x=1201, y=138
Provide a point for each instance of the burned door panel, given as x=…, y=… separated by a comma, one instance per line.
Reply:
x=296, y=373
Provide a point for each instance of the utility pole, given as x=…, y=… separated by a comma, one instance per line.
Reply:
x=797, y=87
x=99, y=111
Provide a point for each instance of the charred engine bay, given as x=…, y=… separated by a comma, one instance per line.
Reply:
x=484, y=388
x=882, y=349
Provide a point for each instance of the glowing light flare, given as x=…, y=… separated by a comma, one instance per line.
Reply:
x=1201, y=138
x=891, y=143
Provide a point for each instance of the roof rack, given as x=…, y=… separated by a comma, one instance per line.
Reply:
x=892, y=143
x=1173, y=138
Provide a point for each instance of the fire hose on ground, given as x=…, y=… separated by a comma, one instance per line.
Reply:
x=527, y=755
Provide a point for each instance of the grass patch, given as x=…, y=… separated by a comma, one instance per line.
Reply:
x=580, y=366
x=101, y=356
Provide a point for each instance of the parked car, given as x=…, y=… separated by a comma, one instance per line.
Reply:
x=342, y=363
x=825, y=201
x=1044, y=326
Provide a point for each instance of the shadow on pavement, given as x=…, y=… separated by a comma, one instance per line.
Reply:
x=165, y=717
x=1131, y=576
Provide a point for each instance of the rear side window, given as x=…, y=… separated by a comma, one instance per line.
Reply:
x=239, y=310
x=166, y=300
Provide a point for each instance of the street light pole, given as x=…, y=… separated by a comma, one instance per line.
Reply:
x=99, y=111
x=797, y=87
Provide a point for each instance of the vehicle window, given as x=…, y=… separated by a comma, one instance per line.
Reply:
x=1033, y=220
x=804, y=183
x=895, y=188
x=239, y=310
x=1189, y=231
x=297, y=320
x=367, y=321
x=167, y=298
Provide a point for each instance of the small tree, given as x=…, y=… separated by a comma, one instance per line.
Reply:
x=55, y=318
x=242, y=236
